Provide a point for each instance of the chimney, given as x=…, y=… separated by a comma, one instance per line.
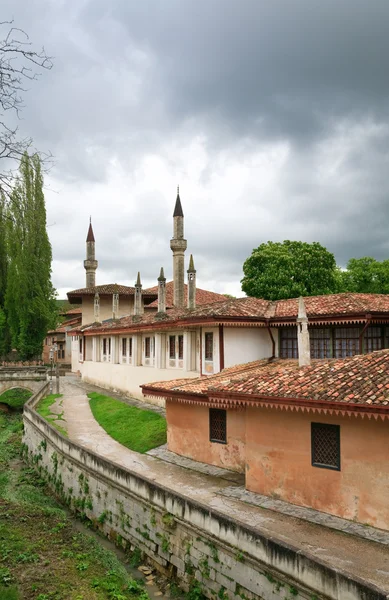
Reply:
x=90, y=264
x=161, y=292
x=97, y=308
x=115, y=305
x=304, y=349
x=191, y=284
x=138, y=297
x=178, y=245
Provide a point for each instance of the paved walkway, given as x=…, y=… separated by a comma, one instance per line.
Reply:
x=357, y=556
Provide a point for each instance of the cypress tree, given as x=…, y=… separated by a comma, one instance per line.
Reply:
x=4, y=332
x=29, y=299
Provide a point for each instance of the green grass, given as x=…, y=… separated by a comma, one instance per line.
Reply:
x=15, y=398
x=43, y=409
x=42, y=555
x=137, y=429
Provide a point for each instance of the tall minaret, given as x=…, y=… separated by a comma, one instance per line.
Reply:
x=178, y=245
x=90, y=264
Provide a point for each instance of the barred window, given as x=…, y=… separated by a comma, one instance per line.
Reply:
x=320, y=343
x=130, y=347
x=124, y=347
x=147, y=347
x=180, y=347
x=104, y=346
x=218, y=425
x=172, y=346
x=346, y=341
x=373, y=339
x=80, y=344
x=208, y=346
x=288, y=342
x=325, y=440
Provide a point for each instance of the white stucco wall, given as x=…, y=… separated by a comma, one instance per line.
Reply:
x=127, y=379
x=243, y=345
x=126, y=307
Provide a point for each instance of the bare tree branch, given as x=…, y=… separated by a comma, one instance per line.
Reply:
x=19, y=65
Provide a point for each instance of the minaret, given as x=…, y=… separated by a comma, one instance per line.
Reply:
x=90, y=264
x=161, y=292
x=191, y=284
x=138, y=297
x=303, y=345
x=178, y=245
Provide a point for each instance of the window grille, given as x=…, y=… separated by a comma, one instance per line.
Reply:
x=208, y=346
x=130, y=347
x=80, y=344
x=288, y=342
x=320, y=343
x=218, y=425
x=180, y=347
x=373, y=339
x=124, y=347
x=172, y=346
x=104, y=346
x=325, y=441
x=147, y=347
x=346, y=341
x=109, y=346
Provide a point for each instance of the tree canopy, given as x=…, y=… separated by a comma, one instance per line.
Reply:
x=277, y=270
x=365, y=275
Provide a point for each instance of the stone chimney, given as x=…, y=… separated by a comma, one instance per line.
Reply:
x=97, y=308
x=304, y=349
x=161, y=292
x=90, y=264
x=178, y=245
x=115, y=305
x=138, y=309
x=191, y=284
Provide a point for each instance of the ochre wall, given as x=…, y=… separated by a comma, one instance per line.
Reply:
x=278, y=456
x=126, y=307
x=188, y=435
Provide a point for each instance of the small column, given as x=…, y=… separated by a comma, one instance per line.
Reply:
x=303, y=344
x=97, y=308
x=138, y=297
x=161, y=293
x=191, y=284
x=90, y=264
x=94, y=349
x=115, y=306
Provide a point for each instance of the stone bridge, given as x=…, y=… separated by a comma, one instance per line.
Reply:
x=30, y=378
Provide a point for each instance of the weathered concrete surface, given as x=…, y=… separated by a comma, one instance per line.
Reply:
x=30, y=378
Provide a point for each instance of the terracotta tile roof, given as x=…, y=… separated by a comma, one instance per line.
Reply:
x=362, y=379
x=202, y=296
x=333, y=304
x=109, y=288
x=74, y=311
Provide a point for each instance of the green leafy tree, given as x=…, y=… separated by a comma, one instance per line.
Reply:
x=30, y=299
x=278, y=270
x=4, y=331
x=366, y=275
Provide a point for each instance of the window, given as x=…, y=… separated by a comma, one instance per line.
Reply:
x=104, y=346
x=180, y=347
x=373, y=339
x=320, y=342
x=288, y=342
x=346, y=341
x=325, y=441
x=147, y=347
x=218, y=425
x=80, y=344
x=172, y=346
x=124, y=347
x=208, y=354
x=130, y=347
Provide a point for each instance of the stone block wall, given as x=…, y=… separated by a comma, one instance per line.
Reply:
x=183, y=538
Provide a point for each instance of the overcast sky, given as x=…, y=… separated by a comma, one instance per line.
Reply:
x=271, y=115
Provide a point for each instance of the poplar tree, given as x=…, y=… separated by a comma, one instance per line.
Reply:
x=29, y=299
x=4, y=333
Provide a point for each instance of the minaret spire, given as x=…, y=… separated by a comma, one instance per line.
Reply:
x=191, y=284
x=138, y=308
x=161, y=292
x=90, y=264
x=178, y=245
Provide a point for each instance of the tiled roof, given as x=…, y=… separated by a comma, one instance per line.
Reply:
x=74, y=311
x=362, y=379
x=109, y=288
x=333, y=304
x=202, y=296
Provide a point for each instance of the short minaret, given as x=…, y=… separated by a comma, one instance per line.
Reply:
x=90, y=264
x=178, y=245
x=97, y=308
x=138, y=297
x=161, y=292
x=303, y=345
x=191, y=284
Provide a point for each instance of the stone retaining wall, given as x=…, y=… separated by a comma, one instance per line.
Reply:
x=223, y=557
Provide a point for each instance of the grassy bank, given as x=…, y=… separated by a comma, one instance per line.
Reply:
x=136, y=428
x=43, y=408
x=15, y=398
x=42, y=555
